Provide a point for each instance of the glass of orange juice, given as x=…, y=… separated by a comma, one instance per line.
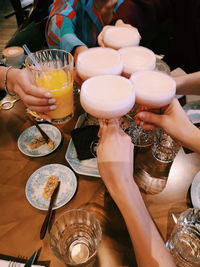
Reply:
x=52, y=69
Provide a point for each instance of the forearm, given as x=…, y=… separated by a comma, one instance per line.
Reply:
x=148, y=245
x=188, y=84
x=190, y=138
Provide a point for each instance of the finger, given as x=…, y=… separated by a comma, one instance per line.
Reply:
x=150, y=118
x=146, y=126
x=41, y=108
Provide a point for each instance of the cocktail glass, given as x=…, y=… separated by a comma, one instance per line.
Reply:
x=153, y=91
x=107, y=96
x=54, y=72
x=98, y=61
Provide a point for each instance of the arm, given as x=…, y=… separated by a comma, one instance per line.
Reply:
x=115, y=161
x=64, y=36
x=18, y=82
x=188, y=84
x=175, y=122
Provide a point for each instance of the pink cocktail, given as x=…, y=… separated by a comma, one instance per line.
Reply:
x=118, y=37
x=136, y=59
x=107, y=96
x=98, y=61
x=153, y=90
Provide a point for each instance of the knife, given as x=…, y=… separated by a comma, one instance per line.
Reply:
x=49, y=213
x=31, y=260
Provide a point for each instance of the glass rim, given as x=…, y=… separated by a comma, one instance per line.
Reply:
x=34, y=68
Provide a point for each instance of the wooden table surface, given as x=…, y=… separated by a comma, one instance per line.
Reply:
x=20, y=222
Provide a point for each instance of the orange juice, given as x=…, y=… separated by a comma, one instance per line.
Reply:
x=60, y=84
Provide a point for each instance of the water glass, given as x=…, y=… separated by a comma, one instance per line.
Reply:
x=164, y=148
x=184, y=242
x=75, y=238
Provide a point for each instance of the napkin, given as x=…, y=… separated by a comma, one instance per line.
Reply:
x=83, y=139
x=5, y=263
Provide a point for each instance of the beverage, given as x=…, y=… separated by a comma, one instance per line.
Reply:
x=61, y=88
x=13, y=56
x=137, y=58
x=53, y=71
x=107, y=96
x=118, y=37
x=153, y=89
x=98, y=61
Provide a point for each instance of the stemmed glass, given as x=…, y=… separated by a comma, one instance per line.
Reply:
x=153, y=91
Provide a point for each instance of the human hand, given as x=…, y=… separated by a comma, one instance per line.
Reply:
x=173, y=120
x=35, y=98
x=114, y=156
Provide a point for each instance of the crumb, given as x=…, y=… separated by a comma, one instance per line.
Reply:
x=50, y=185
x=36, y=142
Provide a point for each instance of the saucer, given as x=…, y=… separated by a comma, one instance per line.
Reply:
x=37, y=181
x=195, y=191
x=31, y=133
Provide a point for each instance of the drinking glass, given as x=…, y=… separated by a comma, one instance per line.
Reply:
x=184, y=242
x=75, y=238
x=164, y=148
x=153, y=90
x=52, y=69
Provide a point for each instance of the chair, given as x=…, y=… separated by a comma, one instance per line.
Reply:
x=32, y=31
x=21, y=10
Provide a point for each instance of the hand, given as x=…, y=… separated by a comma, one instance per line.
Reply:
x=114, y=155
x=36, y=99
x=173, y=121
x=119, y=23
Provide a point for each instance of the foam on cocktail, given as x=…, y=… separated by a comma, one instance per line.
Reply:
x=98, y=61
x=153, y=88
x=137, y=58
x=107, y=96
x=118, y=37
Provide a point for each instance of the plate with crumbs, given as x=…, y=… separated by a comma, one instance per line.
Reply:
x=31, y=134
x=37, y=182
x=195, y=191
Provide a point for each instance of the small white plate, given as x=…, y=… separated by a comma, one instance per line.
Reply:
x=85, y=167
x=195, y=191
x=31, y=133
x=37, y=181
x=193, y=111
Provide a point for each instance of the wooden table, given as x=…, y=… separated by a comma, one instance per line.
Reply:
x=20, y=222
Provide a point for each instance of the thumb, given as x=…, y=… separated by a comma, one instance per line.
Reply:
x=150, y=117
x=119, y=22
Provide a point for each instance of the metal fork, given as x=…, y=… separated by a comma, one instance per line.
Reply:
x=14, y=264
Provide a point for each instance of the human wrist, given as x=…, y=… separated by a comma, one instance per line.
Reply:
x=191, y=138
x=8, y=81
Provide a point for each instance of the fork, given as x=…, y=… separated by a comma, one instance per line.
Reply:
x=14, y=264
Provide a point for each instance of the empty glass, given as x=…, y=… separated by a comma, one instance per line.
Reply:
x=75, y=238
x=164, y=148
x=184, y=242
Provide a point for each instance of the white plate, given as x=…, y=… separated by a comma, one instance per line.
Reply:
x=37, y=181
x=195, y=191
x=193, y=111
x=31, y=133
x=85, y=167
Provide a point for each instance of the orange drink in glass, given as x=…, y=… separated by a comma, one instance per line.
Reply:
x=54, y=72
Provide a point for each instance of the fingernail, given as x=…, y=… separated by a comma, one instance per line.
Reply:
x=47, y=94
x=141, y=115
x=51, y=101
x=52, y=107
